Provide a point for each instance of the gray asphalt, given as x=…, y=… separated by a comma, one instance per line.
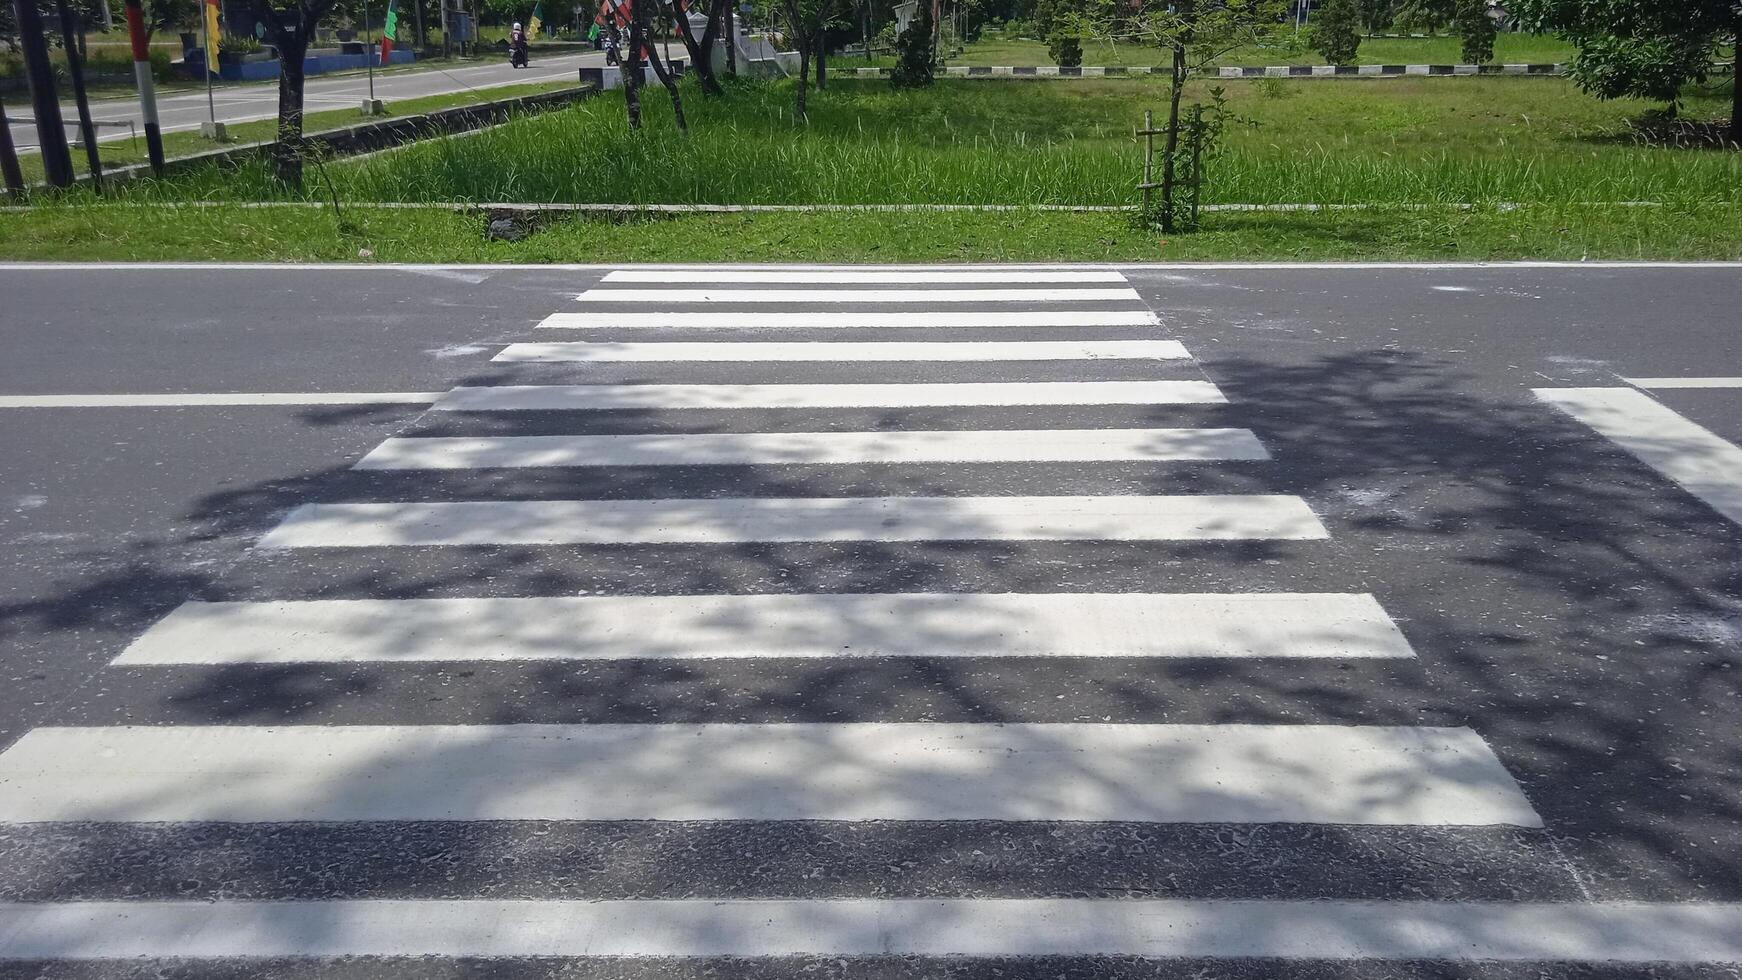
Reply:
x=1566, y=602
x=241, y=102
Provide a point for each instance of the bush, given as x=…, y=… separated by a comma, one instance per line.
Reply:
x=913, y=67
x=1336, y=34
x=1067, y=52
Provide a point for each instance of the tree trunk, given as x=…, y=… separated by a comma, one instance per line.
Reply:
x=1736, y=91
x=701, y=51
x=731, y=39
x=670, y=84
x=822, y=43
x=1167, y=160
x=292, y=45
x=804, y=79
x=630, y=65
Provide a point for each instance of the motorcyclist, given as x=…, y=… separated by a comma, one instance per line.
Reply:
x=517, y=48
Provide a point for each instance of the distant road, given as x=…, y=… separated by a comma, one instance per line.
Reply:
x=240, y=103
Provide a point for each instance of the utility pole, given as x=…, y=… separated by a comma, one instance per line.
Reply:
x=14, y=177
x=51, y=133
x=373, y=106
x=76, y=71
x=147, y=87
x=422, y=38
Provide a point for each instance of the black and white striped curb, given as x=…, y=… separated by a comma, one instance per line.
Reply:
x=1248, y=71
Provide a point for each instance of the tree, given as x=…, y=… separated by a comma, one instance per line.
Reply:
x=913, y=67
x=1424, y=15
x=1477, y=30
x=1643, y=48
x=1197, y=32
x=804, y=21
x=169, y=15
x=1336, y=33
x=290, y=24
x=1377, y=15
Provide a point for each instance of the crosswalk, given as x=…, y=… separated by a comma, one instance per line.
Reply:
x=679, y=819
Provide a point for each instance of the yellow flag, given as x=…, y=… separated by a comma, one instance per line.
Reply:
x=535, y=22
x=212, y=36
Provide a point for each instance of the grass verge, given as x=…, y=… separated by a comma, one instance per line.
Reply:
x=294, y=233
x=1409, y=141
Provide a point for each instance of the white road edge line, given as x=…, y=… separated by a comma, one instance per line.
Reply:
x=740, y=520
x=1187, y=267
x=1256, y=625
x=851, y=771
x=1704, y=464
x=208, y=399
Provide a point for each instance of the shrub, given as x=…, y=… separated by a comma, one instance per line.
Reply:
x=1067, y=52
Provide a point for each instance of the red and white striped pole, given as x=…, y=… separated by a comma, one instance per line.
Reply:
x=142, y=76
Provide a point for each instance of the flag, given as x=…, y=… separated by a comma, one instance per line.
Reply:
x=536, y=21
x=212, y=36
x=593, y=32
x=389, y=28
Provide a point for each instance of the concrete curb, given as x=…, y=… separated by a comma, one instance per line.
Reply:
x=1248, y=71
x=520, y=208
x=365, y=137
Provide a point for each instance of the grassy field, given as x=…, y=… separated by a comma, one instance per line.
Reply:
x=293, y=233
x=120, y=153
x=1411, y=141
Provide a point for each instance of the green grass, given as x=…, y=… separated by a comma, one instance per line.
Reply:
x=120, y=153
x=1414, y=141
x=288, y=233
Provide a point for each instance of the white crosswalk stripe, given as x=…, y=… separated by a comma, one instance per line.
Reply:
x=753, y=693
x=1196, y=517
x=1244, y=625
x=846, y=352
x=745, y=448
x=1317, y=931
x=666, y=297
x=812, y=319
x=550, y=398
x=847, y=771
x=862, y=276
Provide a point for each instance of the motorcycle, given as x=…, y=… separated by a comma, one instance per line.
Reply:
x=517, y=54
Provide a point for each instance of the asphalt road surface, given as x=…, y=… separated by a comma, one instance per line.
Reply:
x=234, y=103
x=976, y=622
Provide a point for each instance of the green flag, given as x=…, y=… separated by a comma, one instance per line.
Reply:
x=593, y=33
x=389, y=29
